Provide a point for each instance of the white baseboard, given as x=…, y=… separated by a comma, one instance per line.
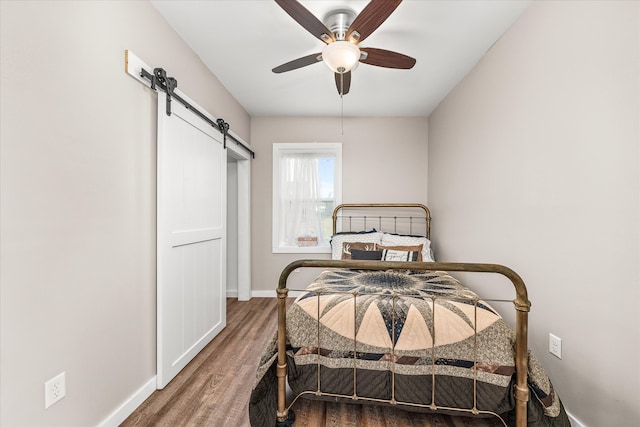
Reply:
x=574, y=421
x=273, y=294
x=130, y=405
x=232, y=293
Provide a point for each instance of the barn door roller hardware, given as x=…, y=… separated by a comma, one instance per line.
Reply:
x=159, y=79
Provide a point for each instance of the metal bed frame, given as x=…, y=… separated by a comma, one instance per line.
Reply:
x=521, y=303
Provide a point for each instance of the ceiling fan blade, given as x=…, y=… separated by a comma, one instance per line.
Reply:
x=298, y=63
x=309, y=22
x=343, y=82
x=371, y=17
x=387, y=58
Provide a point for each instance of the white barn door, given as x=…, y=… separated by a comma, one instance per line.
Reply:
x=191, y=237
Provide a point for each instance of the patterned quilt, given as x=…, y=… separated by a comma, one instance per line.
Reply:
x=419, y=337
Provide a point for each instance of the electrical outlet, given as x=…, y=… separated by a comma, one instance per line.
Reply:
x=54, y=390
x=555, y=346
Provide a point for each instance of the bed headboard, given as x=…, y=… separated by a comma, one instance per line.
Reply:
x=402, y=218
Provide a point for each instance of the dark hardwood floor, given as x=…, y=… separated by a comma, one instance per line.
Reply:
x=214, y=389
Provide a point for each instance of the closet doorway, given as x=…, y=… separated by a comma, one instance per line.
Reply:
x=238, y=223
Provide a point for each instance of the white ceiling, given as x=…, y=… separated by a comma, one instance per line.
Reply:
x=241, y=41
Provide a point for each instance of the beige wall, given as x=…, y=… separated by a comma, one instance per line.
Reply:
x=534, y=162
x=77, y=216
x=383, y=160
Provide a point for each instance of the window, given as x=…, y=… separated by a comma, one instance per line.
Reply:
x=307, y=186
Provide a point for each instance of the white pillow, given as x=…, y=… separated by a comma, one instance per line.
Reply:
x=338, y=239
x=389, y=239
x=395, y=255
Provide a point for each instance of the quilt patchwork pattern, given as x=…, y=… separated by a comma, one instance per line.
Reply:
x=413, y=310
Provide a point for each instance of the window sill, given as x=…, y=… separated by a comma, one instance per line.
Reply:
x=301, y=250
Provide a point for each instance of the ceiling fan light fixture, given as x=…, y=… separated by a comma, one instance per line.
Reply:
x=341, y=56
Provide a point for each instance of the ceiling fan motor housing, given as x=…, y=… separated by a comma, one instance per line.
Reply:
x=338, y=21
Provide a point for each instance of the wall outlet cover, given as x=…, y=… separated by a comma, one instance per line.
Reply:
x=555, y=346
x=54, y=390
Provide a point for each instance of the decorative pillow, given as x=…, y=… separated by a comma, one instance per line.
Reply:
x=393, y=255
x=417, y=248
x=357, y=254
x=347, y=247
x=337, y=241
x=389, y=239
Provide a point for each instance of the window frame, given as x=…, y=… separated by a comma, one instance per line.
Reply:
x=334, y=148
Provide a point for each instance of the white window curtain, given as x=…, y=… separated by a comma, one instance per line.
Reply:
x=299, y=190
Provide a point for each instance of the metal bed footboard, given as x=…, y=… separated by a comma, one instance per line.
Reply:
x=521, y=305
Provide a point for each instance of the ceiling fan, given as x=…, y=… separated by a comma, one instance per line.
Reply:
x=342, y=31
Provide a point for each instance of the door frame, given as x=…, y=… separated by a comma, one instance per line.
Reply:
x=243, y=158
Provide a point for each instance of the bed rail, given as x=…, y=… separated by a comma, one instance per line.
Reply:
x=521, y=304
